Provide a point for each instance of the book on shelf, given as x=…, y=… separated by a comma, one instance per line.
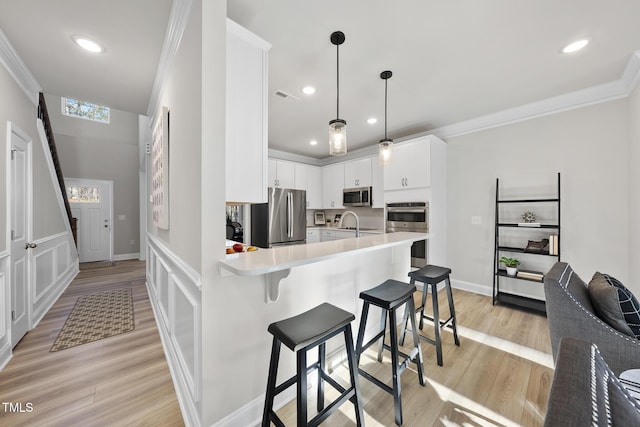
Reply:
x=528, y=224
x=533, y=275
x=553, y=244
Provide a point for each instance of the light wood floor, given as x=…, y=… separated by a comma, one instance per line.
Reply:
x=117, y=381
x=499, y=376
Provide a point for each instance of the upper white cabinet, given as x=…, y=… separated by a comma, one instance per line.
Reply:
x=309, y=178
x=246, y=136
x=281, y=174
x=410, y=166
x=357, y=173
x=332, y=186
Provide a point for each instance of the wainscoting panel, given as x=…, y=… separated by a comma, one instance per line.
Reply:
x=162, y=289
x=5, y=319
x=185, y=332
x=174, y=292
x=54, y=265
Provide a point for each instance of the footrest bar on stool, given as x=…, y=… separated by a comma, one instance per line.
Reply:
x=376, y=381
x=324, y=414
x=333, y=382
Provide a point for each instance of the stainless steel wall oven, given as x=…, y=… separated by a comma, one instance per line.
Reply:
x=410, y=216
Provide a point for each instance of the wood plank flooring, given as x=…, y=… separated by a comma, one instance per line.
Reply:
x=117, y=381
x=499, y=376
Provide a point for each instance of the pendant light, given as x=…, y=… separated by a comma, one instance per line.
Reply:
x=385, y=146
x=337, y=127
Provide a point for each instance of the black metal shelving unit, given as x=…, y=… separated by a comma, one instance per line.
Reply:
x=503, y=297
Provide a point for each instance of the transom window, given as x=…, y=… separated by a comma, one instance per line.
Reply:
x=85, y=110
x=83, y=194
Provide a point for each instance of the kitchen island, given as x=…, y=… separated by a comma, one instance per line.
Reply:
x=294, y=279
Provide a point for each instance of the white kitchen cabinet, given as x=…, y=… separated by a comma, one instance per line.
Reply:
x=357, y=173
x=313, y=235
x=377, y=184
x=327, y=235
x=332, y=186
x=281, y=174
x=309, y=178
x=409, y=167
x=246, y=126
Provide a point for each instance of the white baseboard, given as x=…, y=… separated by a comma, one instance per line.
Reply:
x=472, y=287
x=123, y=257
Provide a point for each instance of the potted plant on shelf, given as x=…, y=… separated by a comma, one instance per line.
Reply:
x=511, y=264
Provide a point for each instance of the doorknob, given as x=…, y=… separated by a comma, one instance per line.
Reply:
x=30, y=246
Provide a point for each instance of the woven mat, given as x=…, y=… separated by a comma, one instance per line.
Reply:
x=97, y=316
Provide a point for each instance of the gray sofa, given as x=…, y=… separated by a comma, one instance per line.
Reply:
x=570, y=314
x=585, y=392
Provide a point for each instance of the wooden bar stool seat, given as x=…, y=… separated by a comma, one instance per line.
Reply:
x=300, y=334
x=390, y=296
x=431, y=276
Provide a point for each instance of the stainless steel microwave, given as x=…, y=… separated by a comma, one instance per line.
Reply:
x=360, y=196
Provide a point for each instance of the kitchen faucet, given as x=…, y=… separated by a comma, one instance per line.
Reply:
x=357, y=221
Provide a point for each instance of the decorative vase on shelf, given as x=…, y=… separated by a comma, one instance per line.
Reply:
x=512, y=271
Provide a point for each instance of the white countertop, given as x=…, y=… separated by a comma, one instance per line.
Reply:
x=265, y=261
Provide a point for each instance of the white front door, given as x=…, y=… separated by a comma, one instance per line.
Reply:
x=90, y=202
x=20, y=233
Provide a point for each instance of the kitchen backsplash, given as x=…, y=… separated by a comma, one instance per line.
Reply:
x=369, y=217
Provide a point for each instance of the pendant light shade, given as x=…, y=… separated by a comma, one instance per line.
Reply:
x=385, y=146
x=337, y=127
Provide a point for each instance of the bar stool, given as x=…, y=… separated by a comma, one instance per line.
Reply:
x=390, y=296
x=301, y=333
x=430, y=276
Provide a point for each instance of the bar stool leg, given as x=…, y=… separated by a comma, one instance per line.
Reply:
x=301, y=392
x=452, y=310
x=416, y=342
x=383, y=327
x=321, y=367
x=353, y=374
x=405, y=317
x=425, y=290
x=436, y=322
x=271, y=383
x=397, y=402
x=363, y=324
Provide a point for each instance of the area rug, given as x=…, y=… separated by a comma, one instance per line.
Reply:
x=97, y=316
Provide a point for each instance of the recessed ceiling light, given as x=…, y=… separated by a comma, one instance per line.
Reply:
x=313, y=142
x=88, y=44
x=372, y=120
x=308, y=90
x=575, y=46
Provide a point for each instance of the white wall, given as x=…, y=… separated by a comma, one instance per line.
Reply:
x=183, y=96
x=93, y=150
x=634, y=188
x=589, y=146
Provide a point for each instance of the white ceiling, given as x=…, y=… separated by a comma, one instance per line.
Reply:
x=451, y=60
x=131, y=31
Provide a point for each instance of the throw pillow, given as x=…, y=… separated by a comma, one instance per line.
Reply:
x=615, y=304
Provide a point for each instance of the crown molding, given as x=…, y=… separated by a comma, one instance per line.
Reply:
x=18, y=70
x=178, y=18
x=616, y=89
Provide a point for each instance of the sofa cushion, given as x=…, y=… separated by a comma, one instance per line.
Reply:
x=615, y=304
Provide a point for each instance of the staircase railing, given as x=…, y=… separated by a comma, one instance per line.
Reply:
x=43, y=115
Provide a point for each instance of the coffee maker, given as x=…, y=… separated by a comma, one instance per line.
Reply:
x=235, y=231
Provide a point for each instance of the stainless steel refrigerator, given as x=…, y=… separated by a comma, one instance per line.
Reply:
x=281, y=221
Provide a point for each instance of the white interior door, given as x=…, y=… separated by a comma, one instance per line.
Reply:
x=91, y=204
x=20, y=234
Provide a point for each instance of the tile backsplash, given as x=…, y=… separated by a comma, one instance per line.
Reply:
x=369, y=217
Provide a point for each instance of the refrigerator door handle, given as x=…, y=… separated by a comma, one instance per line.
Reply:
x=291, y=215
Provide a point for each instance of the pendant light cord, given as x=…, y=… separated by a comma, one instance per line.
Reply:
x=385, y=108
x=338, y=81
